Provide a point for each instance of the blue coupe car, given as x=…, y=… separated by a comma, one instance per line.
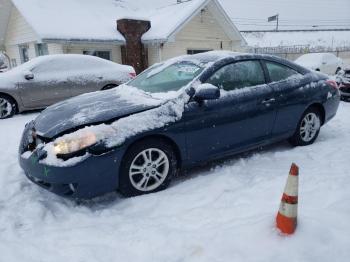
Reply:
x=177, y=114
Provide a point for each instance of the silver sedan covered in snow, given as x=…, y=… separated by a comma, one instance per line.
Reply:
x=49, y=79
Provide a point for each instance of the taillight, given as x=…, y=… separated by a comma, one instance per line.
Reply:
x=132, y=75
x=332, y=83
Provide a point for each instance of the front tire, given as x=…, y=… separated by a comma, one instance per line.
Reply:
x=148, y=166
x=308, y=128
x=8, y=107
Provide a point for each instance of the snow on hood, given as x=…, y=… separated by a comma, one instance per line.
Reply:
x=92, y=108
x=117, y=132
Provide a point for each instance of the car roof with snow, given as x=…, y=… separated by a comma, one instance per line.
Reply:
x=227, y=56
x=67, y=59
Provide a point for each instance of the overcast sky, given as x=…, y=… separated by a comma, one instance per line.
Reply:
x=250, y=14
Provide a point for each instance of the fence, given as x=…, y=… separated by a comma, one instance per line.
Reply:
x=296, y=49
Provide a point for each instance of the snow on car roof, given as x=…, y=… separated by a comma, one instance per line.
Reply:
x=313, y=57
x=68, y=58
x=96, y=20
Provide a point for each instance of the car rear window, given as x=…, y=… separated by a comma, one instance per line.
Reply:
x=238, y=75
x=279, y=72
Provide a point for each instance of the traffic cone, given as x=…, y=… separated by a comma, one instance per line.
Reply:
x=286, y=219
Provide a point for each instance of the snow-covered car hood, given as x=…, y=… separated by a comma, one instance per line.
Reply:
x=93, y=108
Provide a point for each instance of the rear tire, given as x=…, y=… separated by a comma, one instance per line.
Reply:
x=148, y=166
x=308, y=128
x=8, y=107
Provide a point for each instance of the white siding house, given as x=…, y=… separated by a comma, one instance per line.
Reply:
x=202, y=33
x=33, y=29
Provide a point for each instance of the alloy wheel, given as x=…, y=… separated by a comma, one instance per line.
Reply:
x=149, y=169
x=5, y=108
x=309, y=127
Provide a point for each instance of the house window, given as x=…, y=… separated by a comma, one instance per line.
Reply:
x=13, y=62
x=23, y=52
x=102, y=54
x=197, y=51
x=41, y=49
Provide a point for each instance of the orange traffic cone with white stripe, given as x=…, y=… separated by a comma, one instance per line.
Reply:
x=286, y=219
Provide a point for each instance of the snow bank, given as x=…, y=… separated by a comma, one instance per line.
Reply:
x=313, y=39
x=221, y=212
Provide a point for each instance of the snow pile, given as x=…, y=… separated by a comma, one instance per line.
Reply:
x=312, y=39
x=222, y=212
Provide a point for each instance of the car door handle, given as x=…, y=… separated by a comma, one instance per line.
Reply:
x=268, y=101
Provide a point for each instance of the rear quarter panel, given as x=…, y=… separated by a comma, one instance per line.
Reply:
x=297, y=97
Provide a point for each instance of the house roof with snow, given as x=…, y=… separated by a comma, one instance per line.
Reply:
x=91, y=20
x=327, y=39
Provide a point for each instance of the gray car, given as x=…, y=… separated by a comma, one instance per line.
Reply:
x=46, y=80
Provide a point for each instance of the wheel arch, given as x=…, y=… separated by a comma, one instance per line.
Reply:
x=165, y=139
x=320, y=108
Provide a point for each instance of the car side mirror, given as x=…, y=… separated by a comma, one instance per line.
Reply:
x=206, y=92
x=29, y=76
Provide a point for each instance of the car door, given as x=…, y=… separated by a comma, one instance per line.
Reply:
x=48, y=84
x=285, y=81
x=242, y=117
x=87, y=74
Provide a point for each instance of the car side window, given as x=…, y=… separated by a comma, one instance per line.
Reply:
x=279, y=72
x=238, y=75
x=48, y=66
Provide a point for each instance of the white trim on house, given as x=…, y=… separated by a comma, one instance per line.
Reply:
x=82, y=41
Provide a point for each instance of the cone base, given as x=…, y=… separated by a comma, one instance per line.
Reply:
x=287, y=225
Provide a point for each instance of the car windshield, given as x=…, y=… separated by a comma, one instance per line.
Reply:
x=161, y=78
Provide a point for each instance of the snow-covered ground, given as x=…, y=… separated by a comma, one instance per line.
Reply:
x=222, y=212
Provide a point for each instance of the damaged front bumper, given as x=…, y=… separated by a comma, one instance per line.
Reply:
x=95, y=175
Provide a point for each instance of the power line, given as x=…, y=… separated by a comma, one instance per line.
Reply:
x=294, y=20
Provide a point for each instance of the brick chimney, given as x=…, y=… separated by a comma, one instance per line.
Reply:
x=134, y=52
